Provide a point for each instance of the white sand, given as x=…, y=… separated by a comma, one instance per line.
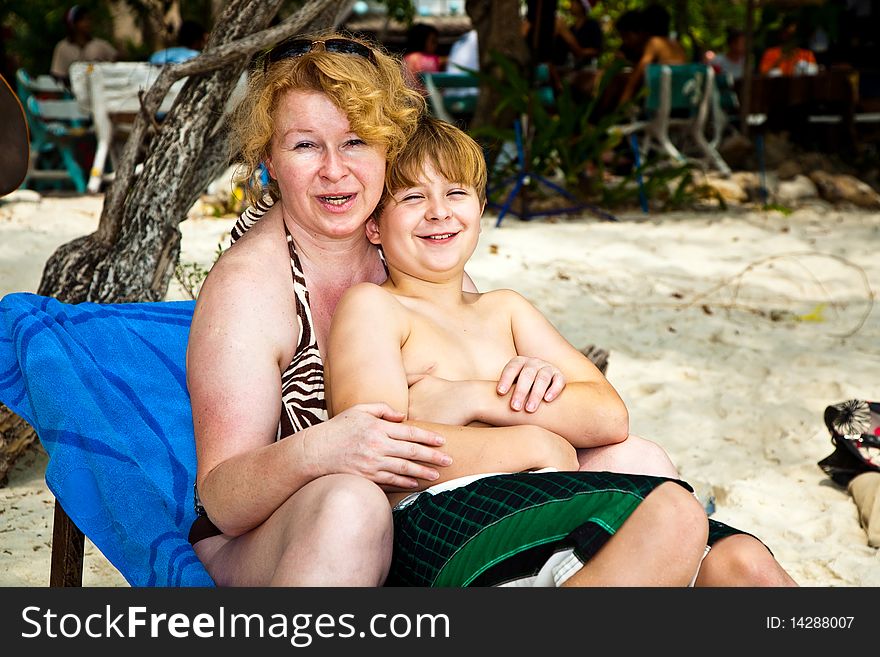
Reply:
x=734, y=395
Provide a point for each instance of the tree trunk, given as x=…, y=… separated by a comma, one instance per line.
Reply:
x=15, y=436
x=132, y=254
x=498, y=26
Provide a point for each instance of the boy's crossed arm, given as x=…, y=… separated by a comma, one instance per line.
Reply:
x=364, y=365
x=587, y=413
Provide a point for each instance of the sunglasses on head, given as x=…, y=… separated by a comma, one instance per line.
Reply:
x=300, y=47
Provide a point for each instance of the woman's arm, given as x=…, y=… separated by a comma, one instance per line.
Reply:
x=240, y=340
x=233, y=377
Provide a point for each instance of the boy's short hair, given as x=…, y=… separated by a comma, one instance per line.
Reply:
x=451, y=151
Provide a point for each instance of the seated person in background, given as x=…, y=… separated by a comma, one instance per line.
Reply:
x=787, y=57
x=191, y=38
x=79, y=45
x=579, y=45
x=610, y=82
x=419, y=342
x=733, y=59
x=420, y=55
x=582, y=40
x=659, y=48
x=575, y=45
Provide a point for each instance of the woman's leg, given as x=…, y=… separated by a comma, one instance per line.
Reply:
x=335, y=531
x=635, y=455
x=741, y=560
x=660, y=544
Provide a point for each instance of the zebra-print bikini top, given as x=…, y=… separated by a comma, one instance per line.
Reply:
x=302, y=383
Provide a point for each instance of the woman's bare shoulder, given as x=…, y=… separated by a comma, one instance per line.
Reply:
x=249, y=290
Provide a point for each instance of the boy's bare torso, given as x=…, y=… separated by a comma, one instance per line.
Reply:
x=472, y=340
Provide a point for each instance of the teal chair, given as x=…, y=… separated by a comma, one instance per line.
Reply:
x=57, y=127
x=41, y=86
x=448, y=107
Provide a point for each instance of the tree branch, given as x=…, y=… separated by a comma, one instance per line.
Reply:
x=234, y=53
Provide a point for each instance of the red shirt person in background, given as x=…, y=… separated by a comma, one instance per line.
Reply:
x=421, y=54
x=787, y=58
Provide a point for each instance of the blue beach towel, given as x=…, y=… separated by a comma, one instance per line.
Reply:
x=104, y=387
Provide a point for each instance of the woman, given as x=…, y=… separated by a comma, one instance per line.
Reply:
x=785, y=56
x=300, y=501
x=420, y=54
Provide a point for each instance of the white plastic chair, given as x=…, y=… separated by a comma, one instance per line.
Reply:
x=110, y=92
x=680, y=99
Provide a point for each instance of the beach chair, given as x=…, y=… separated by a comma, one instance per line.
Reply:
x=449, y=107
x=119, y=435
x=110, y=92
x=104, y=387
x=41, y=86
x=57, y=127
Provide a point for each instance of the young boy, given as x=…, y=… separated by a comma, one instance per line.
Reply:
x=420, y=320
x=469, y=527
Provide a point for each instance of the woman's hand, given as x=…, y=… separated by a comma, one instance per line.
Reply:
x=371, y=440
x=533, y=381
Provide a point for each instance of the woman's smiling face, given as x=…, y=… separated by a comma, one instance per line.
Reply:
x=330, y=179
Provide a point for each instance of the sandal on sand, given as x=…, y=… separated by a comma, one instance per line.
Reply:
x=855, y=434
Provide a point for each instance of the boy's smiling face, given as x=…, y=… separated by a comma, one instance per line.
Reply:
x=429, y=229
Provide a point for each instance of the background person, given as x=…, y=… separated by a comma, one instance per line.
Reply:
x=658, y=48
x=420, y=53
x=733, y=59
x=191, y=38
x=79, y=45
x=786, y=56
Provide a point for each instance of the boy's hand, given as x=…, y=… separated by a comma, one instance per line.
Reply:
x=533, y=381
x=432, y=399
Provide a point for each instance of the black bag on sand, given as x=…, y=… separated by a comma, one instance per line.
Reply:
x=855, y=434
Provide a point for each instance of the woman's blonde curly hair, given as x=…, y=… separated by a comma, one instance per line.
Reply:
x=380, y=107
